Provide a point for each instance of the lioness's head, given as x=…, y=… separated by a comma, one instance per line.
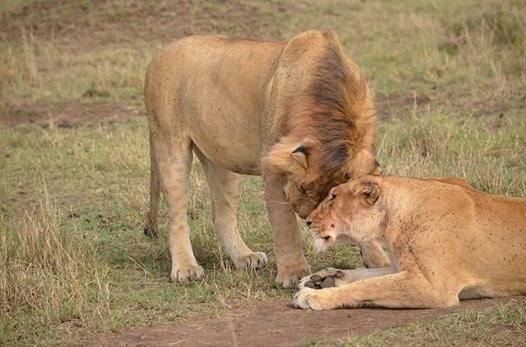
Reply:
x=352, y=212
x=310, y=172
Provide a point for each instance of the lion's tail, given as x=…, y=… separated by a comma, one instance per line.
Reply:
x=150, y=228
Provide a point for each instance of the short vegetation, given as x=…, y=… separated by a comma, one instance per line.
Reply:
x=450, y=84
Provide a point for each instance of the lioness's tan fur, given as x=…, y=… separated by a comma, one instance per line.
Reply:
x=448, y=242
x=297, y=112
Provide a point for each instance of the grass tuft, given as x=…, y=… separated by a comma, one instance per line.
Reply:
x=50, y=277
x=73, y=259
x=502, y=325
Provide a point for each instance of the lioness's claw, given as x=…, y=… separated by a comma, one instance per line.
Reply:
x=317, y=282
x=311, y=284
x=328, y=282
x=322, y=279
x=315, y=278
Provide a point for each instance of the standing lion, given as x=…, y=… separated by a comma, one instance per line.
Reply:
x=297, y=112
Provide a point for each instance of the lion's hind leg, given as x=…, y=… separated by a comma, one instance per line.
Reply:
x=150, y=229
x=173, y=155
x=224, y=192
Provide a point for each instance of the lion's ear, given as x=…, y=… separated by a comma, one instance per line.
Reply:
x=300, y=155
x=364, y=163
x=371, y=190
x=288, y=157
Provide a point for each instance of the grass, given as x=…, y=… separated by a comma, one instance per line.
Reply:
x=74, y=262
x=500, y=326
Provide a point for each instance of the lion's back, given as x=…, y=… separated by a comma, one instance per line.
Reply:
x=214, y=85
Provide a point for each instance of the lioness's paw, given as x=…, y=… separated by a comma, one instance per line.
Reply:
x=289, y=275
x=255, y=260
x=189, y=273
x=311, y=299
x=322, y=279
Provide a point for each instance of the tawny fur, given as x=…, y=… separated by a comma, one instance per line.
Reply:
x=297, y=112
x=448, y=242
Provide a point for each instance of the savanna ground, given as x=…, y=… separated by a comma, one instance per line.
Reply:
x=75, y=268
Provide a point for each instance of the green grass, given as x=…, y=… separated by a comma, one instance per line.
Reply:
x=435, y=144
x=74, y=261
x=500, y=326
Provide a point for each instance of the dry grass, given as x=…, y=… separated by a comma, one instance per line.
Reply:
x=50, y=276
x=73, y=260
x=499, y=326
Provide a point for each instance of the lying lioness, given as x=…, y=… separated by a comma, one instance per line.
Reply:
x=447, y=241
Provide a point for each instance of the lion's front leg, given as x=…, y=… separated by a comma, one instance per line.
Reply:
x=224, y=191
x=400, y=290
x=290, y=260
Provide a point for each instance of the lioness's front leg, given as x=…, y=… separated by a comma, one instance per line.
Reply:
x=400, y=290
x=290, y=260
x=331, y=277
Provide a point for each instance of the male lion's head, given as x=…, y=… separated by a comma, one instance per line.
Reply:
x=311, y=172
x=331, y=127
x=352, y=212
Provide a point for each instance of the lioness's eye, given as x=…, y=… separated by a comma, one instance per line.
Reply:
x=332, y=196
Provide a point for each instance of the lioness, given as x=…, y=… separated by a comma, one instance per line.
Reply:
x=448, y=242
x=297, y=112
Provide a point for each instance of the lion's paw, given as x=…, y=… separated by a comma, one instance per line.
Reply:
x=188, y=273
x=288, y=276
x=255, y=260
x=322, y=279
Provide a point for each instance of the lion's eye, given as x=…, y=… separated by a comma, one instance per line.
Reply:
x=332, y=196
x=302, y=190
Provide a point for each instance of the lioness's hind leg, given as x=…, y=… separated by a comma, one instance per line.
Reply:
x=174, y=159
x=224, y=191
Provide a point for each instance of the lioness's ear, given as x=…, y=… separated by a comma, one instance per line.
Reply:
x=371, y=191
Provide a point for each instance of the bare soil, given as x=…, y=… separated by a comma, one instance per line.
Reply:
x=72, y=114
x=103, y=22
x=278, y=324
x=67, y=114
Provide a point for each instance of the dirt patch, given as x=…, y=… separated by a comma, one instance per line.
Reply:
x=110, y=22
x=67, y=114
x=71, y=114
x=277, y=324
